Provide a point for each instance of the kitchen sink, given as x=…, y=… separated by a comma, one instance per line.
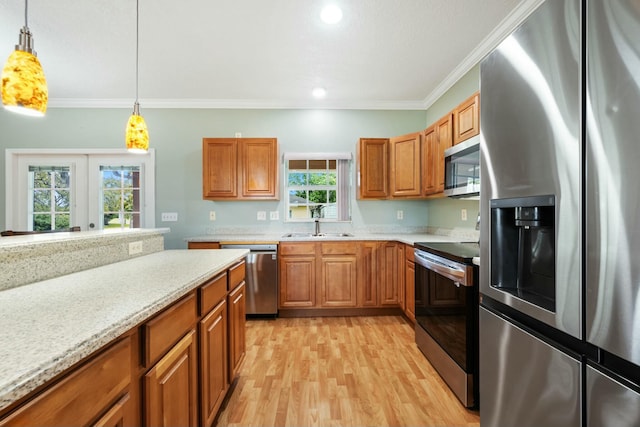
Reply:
x=319, y=235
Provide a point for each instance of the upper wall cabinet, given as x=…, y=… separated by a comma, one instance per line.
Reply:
x=404, y=156
x=373, y=168
x=240, y=168
x=436, y=138
x=466, y=119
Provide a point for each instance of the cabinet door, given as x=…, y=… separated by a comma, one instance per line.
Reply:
x=237, y=324
x=171, y=387
x=405, y=165
x=259, y=166
x=338, y=282
x=430, y=159
x=214, y=379
x=388, y=285
x=373, y=168
x=368, y=274
x=444, y=136
x=219, y=168
x=116, y=416
x=466, y=119
x=83, y=395
x=410, y=290
x=297, y=281
x=400, y=265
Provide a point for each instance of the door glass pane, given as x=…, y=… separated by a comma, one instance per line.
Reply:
x=121, y=196
x=50, y=198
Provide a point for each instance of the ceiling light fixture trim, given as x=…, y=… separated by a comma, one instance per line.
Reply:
x=331, y=14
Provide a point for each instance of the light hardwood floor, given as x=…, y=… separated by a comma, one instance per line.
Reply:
x=339, y=371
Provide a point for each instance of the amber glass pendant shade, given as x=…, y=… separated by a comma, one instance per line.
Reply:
x=24, y=86
x=136, y=134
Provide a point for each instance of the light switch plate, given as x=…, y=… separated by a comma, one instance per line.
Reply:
x=212, y=215
x=274, y=215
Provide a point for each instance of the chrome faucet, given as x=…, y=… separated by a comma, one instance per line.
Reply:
x=317, y=227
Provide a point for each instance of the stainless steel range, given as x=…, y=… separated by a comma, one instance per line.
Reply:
x=446, y=311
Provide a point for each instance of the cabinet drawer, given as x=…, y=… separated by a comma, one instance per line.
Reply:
x=83, y=395
x=236, y=274
x=297, y=249
x=212, y=292
x=339, y=248
x=203, y=245
x=168, y=327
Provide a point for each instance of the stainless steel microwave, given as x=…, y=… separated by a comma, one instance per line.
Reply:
x=462, y=169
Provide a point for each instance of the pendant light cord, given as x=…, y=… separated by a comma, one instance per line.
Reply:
x=26, y=3
x=137, y=43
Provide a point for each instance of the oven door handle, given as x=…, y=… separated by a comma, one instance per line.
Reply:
x=453, y=272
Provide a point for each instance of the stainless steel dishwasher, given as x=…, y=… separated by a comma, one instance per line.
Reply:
x=261, y=278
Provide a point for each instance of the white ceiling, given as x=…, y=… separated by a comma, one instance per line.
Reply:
x=384, y=54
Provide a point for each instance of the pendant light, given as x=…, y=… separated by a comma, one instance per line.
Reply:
x=24, y=87
x=137, y=135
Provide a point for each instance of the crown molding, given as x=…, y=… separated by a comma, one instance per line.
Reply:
x=504, y=29
x=235, y=104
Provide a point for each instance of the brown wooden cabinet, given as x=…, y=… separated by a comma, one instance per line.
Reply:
x=409, y=281
x=338, y=275
x=405, y=173
x=368, y=273
x=171, y=386
x=240, y=168
x=237, y=325
x=214, y=371
x=443, y=129
x=203, y=245
x=86, y=395
x=297, y=275
x=466, y=119
x=388, y=269
x=430, y=160
x=372, y=158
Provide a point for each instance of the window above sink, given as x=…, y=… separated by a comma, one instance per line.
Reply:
x=317, y=186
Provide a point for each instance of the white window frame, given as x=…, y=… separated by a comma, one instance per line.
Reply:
x=343, y=197
x=85, y=191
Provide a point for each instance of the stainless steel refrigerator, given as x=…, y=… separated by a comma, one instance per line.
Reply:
x=557, y=150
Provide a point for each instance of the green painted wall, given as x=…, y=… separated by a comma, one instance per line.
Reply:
x=177, y=134
x=446, y=212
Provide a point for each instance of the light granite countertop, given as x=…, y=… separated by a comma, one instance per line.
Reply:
x=407, y=238
x=48, y=326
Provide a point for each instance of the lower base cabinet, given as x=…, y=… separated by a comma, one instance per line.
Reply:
x=174, y=369
x=237, y=325
x=213, y=362
x=171, y=387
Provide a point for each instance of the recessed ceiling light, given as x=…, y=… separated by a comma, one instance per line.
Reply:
x=331, y=14
x=319, y=92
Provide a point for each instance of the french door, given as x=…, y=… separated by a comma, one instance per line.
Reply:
x=94, y=190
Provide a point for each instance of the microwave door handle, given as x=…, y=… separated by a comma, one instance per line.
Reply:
x=451, y=272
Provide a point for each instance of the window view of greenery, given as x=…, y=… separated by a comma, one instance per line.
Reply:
x=51, y=197
x=312, y=189
x=121, y=196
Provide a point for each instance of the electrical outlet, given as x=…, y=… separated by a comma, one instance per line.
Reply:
x=274, y=215
x=135, y=247
x=262, y=215
x=399, y=214
x=212, y=215
x=169, y=216
x=463, y=214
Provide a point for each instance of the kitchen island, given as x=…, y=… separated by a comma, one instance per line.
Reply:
x=50, y=326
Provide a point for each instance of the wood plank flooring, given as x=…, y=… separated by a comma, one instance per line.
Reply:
x=339, y=371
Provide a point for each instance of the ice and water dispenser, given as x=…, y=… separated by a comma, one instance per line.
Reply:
x=523, y=248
